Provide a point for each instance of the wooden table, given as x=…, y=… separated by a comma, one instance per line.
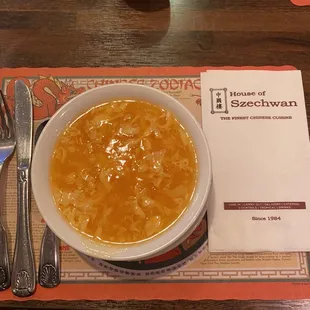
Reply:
x=75, y=33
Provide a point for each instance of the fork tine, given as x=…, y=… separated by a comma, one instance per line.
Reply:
x=9, y=123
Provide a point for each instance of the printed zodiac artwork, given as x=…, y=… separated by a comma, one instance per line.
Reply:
x=48, y=94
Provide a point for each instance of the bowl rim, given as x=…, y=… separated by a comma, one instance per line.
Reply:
x=178, y=238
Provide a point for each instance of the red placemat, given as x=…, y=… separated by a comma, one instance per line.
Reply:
x=187, y=272
x=301, y=2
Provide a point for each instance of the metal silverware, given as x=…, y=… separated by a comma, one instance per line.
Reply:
x=49, y=265
x=49, y=269
x=7, y=145
x=23, y=272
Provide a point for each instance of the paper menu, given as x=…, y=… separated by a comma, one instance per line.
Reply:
x=256, y=126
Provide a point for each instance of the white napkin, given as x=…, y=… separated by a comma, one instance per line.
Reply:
x=256, y=126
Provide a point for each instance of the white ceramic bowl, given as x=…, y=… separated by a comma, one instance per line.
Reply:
x=41, y=164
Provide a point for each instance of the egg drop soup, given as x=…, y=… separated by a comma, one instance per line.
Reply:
x=123, y=172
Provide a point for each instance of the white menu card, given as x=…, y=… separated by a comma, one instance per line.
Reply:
x=256, y=126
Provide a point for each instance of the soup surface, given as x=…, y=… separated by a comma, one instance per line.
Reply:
x=123, y=171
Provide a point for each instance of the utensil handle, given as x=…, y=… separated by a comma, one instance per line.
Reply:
x=49, y=269
x=23, y=272
x=5, y=276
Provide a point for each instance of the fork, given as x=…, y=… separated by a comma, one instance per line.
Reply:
x=7, y=145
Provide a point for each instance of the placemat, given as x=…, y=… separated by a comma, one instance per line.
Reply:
x=187, y=272
x=301, y=2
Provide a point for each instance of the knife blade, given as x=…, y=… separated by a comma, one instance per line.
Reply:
x=23, y=271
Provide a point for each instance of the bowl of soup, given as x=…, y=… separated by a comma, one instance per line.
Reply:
x=122, y=172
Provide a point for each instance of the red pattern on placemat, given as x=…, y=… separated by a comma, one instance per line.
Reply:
x=170, y=291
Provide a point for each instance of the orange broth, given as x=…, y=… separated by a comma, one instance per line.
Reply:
x=123, y=171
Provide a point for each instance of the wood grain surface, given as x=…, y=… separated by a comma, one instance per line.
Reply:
x=98, y=33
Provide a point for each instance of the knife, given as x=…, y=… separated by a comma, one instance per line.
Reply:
x=49, y=264
x=23, y=272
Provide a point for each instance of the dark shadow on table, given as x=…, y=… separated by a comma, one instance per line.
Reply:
x=148, y=5
x=152, y=18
